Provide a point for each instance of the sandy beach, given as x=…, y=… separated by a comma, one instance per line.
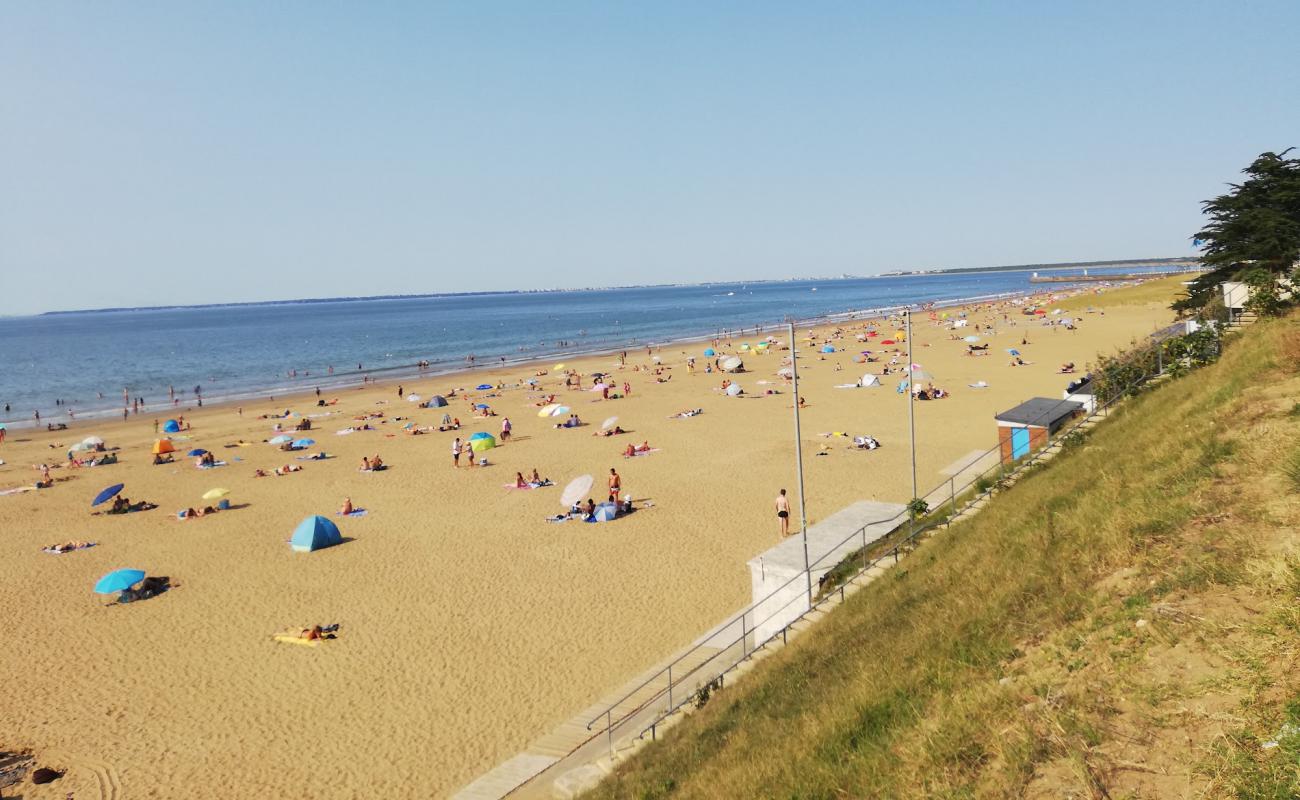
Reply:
x=469, y=625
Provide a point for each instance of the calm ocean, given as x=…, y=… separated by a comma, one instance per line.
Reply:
x=240, y=351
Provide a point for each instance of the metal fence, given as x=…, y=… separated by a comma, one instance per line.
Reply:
x=640, y=710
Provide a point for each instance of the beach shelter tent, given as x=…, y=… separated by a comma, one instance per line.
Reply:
x=171, y=426
x=870, y=380
x=480, y=435
x=482, y=441
x=163, y=446
x=734, y=390
x=828, y=348
x=709, y=351
x=92, y=441
x=315, y=533
x=437, y=401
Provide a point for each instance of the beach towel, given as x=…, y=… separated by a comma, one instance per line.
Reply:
x=978, y=385
x=356, y=512
x=847, y=386
x=213, y=465
x=529, y=486
x=345, y=431
x=293, y=638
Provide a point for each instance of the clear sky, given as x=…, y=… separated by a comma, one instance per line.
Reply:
x=177, y=152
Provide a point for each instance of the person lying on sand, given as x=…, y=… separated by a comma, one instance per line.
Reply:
x=865, y=443
x=287, y=468
x=616, y=430
x=190, y=513
x=319, y=632
x=635, y=449
x=690, y=412
x=68, y=547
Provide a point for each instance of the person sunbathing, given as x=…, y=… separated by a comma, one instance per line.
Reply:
x=376, y=464
x=67, y=547
x=259, y=473
x=365, y=464
x=287, y=468
x=346, y=507
x=318, y=632
x=589, y=513
x=520, y=483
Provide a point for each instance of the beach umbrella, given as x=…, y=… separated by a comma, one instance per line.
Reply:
x=900, y=334
x=118, y=580
x=314, y=533
x=107, y=494
x=1040, y=312
x=437, y=401
x=828, y=348
x=600, y=387
x=709, y=351
x=92, y=441
x=215, y=494
x=972, y=339
x=744, y=346
x=557, y=368
x=80, y=446
x=413, y=398
x=479, y=444
x=545, y=411
x=480, y=435
x=731, y=363
x=198, y=451
x=163, y=446
x=734, y=390
x=304, y=443
x=559, y=411
x=605, y=512
x=609, y=423
x=577, y=489
x=483, y=386
x=171, y=426
x=1013, y=351
x=785, y=372
x=281, y=439
x=480, y=405
x=921, y=375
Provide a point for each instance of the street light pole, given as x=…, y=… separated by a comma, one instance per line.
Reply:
x=798, y=457
x=911, y=398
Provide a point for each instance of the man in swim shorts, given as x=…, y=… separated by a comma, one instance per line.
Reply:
x=783, y=513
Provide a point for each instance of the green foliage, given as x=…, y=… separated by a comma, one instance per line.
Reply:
x=918, y=508
x=1255, y=226
x=1265, y=298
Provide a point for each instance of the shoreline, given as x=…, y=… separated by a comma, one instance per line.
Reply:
x=406, y=372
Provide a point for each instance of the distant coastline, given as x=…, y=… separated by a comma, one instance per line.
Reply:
x=1135, y=262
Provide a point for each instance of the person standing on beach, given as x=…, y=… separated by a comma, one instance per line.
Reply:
x=455, y=452
x=505, y=429
x=615, y=483
x=783, y=513
x=399, y=391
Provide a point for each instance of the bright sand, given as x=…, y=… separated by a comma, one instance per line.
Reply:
x=470, y=626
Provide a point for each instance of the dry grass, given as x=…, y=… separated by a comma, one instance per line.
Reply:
x=1118, y=624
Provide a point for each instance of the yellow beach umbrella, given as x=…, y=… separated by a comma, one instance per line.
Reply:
x=557, y=368
x=546, y=410
x=215, y=494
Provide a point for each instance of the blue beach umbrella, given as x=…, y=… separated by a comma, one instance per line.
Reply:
x=107, y=494
x=710, y=352
x=197, y=452
x=281, y=439
x=605, y=512
x=304, y=443
x=483, y=386
x=118, y=580
x=1013, y=351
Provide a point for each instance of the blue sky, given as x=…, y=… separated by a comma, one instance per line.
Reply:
x=179, y=152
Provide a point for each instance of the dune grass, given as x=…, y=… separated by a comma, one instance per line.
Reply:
x=1039, y=648
x=1160, y=290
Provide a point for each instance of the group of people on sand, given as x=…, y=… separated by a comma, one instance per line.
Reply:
x=372, y=464
x=191, y=513
x=636, y=449
x=572, y=422
x=123, y=505
x=285, y=470
x=205, y=460
x=537, y=481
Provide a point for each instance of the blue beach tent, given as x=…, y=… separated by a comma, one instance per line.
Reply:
x=710, y=352
x=480, y=435
x=437, y=401
x=315, y=533
x=171, y=426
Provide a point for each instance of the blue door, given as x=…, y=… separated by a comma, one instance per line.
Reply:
x=1019, y=442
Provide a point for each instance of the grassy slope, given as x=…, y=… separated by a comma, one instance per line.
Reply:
x=1118, y=624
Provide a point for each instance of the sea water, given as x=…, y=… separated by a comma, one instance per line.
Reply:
x=87, y=359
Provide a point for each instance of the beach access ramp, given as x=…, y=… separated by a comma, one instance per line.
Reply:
x=779, y=598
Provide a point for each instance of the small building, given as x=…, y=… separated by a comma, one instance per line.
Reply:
x=1235, y=295
x=1028, y=426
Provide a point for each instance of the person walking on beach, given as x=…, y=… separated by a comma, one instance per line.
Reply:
x=783, y=513
x=505, y=429
x=615, y=483
x=455, y=452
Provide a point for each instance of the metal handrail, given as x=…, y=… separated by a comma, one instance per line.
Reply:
x=894, y=552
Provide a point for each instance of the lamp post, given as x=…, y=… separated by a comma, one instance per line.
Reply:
x=911, y=398
x=798, y=457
